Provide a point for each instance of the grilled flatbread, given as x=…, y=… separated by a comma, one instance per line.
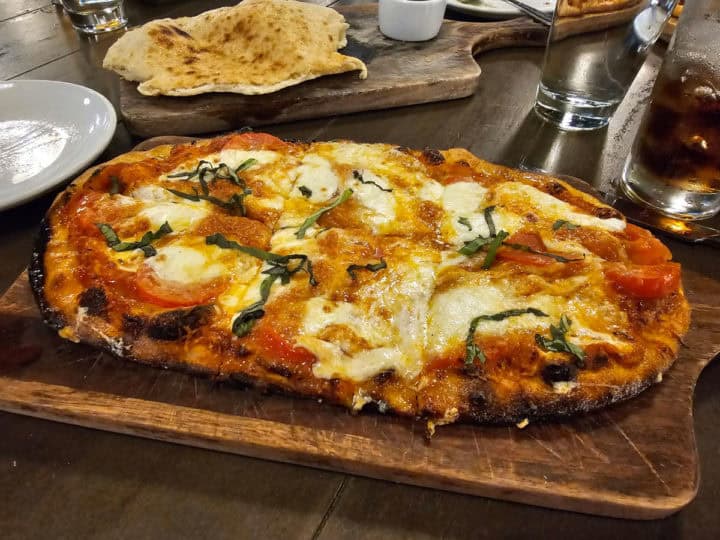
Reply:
x=256, y=47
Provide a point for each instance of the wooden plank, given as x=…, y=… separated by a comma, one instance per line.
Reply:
x=35, y=38
x=13, y=8
x=616, y=462
x=83, y=483
x=400, y=73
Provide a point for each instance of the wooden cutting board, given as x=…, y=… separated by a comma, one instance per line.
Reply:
x=399, y=73
x=616, y=462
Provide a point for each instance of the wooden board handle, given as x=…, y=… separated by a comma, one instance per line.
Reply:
x=520, y=32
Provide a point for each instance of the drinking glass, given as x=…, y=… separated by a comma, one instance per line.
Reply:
x=585, y=76
x=95, y=16
x=674, y=164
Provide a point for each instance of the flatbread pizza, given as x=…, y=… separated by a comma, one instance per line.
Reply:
x=421, y=283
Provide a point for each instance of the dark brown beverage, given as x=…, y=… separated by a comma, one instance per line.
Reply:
x=676, y=158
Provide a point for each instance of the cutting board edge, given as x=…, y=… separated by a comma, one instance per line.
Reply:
x=158, y=124
x=625, y=506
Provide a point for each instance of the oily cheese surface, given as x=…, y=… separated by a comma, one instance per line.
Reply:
x=423, y=283
x=256, y=47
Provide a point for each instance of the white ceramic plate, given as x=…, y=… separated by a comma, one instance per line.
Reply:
x=49, y=131
x=497, y=9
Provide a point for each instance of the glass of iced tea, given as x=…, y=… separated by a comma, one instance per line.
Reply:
x=674, y=165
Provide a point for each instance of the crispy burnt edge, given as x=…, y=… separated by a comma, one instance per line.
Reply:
x=545, y=407
x=36, y=275
x=474, y=406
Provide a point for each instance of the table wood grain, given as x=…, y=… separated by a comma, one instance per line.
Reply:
x=68, y=482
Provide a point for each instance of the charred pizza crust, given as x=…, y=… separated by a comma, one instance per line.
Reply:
x=519, y=380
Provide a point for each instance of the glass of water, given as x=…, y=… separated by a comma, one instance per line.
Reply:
x=674, y=165
x=586, y=76
x=95, y=16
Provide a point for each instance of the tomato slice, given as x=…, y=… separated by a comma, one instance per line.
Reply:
x=169, y=294
x=530, y=239
x=254, y=141
x=644, y=248
x=644, y=281
x=276, y=345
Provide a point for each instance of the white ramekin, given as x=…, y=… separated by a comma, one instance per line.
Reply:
x=411, y=20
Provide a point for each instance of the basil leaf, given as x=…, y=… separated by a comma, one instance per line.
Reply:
x=493, y=247
x=523, y=247
x=371, y=267
x=110, y=236
x=235, y=205
x=114, y=242
x=206, y=172
x=357, y=175
x=472, y=247
x=310, y=221
x=246, y=164
x=465, y=221
x=203, y=165
x=560, y=223
x=281, y=267
x=265, y=287
x=472, y=351
x=247, y=318
x=559, y=342
x=305, y=191
x=224, y=172
x=220, y=241
x=489, y=220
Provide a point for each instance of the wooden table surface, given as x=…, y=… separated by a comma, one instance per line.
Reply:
x=60, y=481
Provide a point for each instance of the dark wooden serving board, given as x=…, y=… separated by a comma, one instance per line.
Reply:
x=399, y=73
x=634, y=460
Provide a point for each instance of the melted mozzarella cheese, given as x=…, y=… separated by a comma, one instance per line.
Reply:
x=185, y=265
x=463, y=198
x=467, y=200
x=321, y=313
x=397, y=338
x=334, y=363
x=552, y=208
x=234, y=158
x=430, y=190
x=316, y=174
x=585, y=336
x=457, y=233
x=180, y=216
x=451, y=312
x=153, y=194
x=380, y=204
x=284, y=242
